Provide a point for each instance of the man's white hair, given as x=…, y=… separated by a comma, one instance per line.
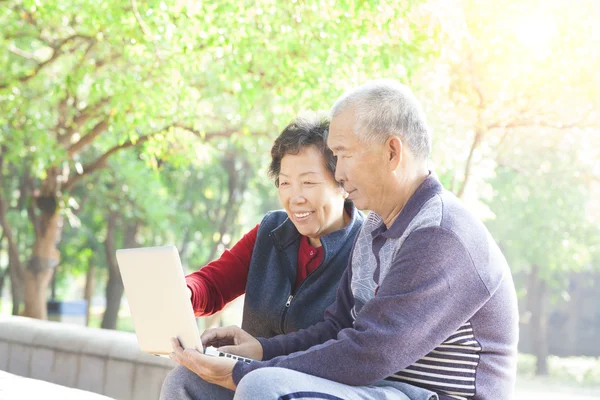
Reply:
x=385, y=108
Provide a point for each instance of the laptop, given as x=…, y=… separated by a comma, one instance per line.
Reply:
x=159, y=302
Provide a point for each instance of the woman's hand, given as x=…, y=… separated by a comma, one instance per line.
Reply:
x=233, y=340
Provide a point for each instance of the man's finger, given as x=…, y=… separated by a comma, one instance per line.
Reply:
x=179, y=359
x=228, y=349
x=176, y=344
x=219, y=335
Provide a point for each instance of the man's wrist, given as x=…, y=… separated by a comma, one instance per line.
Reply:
x=267, y=352
x=240, y=369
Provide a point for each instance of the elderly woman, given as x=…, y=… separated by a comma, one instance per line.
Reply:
x=290, y=264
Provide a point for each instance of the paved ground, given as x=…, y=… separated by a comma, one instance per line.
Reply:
x=526, y=395
x=538, y=389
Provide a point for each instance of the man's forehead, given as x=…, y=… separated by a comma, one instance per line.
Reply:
x=340, y=136
x=336, y=140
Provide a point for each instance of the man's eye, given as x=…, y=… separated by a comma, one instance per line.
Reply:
x=283, y=183
x=309, y=183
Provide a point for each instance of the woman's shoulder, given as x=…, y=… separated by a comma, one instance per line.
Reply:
x=273, y=219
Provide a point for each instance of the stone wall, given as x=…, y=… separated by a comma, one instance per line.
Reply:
x=101, y=361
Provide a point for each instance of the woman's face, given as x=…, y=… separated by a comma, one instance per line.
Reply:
x=310, y=195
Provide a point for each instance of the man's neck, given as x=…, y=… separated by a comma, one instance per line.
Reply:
x=395, y=200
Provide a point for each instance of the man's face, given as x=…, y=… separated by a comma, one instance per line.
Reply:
x=360, y=167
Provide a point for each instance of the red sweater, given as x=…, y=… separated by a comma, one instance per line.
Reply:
x=224, y=279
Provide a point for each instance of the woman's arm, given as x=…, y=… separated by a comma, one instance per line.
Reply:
x=223, y=279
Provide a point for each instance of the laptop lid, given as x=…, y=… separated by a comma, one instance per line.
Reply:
x=158, y=300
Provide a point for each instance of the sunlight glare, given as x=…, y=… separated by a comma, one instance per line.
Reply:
x=536, y=32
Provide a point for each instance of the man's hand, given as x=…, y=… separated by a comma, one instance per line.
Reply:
x=233, y=340
x=215, y=370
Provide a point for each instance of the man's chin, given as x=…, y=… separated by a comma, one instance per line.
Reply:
x=360, y=204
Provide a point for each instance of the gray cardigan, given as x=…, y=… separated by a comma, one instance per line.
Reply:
x=429, y=301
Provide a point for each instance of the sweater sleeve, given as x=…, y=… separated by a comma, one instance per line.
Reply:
x=224, y=279
x=431, y=288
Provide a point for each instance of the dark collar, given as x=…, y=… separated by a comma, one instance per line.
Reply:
x=286, y=233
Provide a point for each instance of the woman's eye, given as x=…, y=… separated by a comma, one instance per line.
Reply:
x=309, y=183
x=283, y=183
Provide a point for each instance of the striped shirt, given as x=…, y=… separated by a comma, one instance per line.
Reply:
x=449, y=368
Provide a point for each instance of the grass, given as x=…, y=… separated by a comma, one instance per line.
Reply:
x=583, y=372
x=575, y=378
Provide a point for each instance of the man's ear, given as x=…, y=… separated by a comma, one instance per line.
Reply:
x=395, y=151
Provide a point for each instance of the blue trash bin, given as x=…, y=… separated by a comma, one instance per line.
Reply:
x=72, y=312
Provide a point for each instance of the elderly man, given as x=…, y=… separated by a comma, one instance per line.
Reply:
x=427, y=307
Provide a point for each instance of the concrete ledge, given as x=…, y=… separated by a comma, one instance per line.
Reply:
x=102, y=361
x=17, y=387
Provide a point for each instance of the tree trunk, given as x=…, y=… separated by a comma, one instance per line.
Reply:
x=3, y=272
x=538, y=326
x=88, y=292
x=237, y=185
x=114, y=286
x=45, y=256
x=17, y=289
x=16, y=274
x=40, y=267
x=3, y=275
x=579, y=292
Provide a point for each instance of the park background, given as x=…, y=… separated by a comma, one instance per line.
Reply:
x=142, y=123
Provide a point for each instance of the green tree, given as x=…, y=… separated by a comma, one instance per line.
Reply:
x=508, y=69
x=541, y=221
x=82, y=81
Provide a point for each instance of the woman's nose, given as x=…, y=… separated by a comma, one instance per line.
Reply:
x=298, y=198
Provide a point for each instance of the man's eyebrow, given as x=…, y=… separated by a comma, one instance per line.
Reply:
x=338, y=148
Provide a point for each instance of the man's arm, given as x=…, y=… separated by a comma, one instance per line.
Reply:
x=431, y=289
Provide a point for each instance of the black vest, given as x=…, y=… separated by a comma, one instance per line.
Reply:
x=272, y=305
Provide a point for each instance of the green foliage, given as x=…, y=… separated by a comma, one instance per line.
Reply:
x=81, y=82
x=540, y=208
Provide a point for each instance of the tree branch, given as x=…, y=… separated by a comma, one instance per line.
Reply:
x=100, y=162
x=140, y=21
x=58, y=50
x=467, y=173
x=81, y=118
x=88, y=139
x=21, y=53
x=205, y=135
